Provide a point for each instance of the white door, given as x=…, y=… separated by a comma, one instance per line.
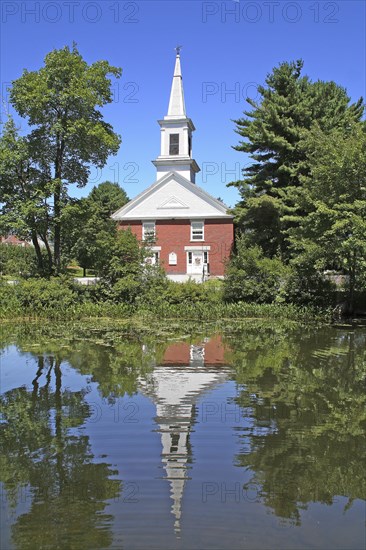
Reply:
x=195, y=263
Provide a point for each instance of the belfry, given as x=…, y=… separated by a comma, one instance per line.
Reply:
x=176, y=133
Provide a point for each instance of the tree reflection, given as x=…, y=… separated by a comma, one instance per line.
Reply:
x=301, y=390
x=306, y=400
x=113, y=355
x=48, y=461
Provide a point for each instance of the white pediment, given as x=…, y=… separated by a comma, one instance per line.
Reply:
x=173, y=202
x=172, y=197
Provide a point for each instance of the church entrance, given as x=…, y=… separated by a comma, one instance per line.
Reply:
x=197, y=263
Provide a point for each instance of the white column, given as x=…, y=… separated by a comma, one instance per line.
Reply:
x=163, y=151
x=185, y=149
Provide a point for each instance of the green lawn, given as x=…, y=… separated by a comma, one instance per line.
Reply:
x=77, y=271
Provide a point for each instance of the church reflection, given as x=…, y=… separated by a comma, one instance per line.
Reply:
x=186, y=374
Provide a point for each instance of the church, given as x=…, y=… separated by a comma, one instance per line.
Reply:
x=189, y=232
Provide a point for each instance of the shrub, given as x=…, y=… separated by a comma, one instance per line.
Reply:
x=17, y=261
x=38, y=295
x=183, y=293
x=126, y=289
x=9, y=301
x=251, y=277
x=306, y=285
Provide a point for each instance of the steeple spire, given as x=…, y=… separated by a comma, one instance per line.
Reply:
x=176, y=133
x=177, y=108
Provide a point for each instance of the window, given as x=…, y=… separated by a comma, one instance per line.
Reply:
x=197, y=233
x=174, y=144
x=153, y=259
x=190, y=258
x=148, y=231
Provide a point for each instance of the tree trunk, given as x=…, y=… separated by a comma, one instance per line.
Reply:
x=49, y=252
x=38, y=251
x=57, y=227
x=84, y=271
x=57, y=203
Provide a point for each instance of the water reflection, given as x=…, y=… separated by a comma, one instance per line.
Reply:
x=306, y=398
x=47, y=461
x=188, y=372
x=298, y=439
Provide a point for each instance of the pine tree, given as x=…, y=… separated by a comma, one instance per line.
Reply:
x=275, y=132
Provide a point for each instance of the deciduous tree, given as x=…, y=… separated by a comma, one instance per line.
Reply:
x=61, y=104
x=334, y=194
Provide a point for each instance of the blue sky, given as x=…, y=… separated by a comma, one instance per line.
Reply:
x=227, y=47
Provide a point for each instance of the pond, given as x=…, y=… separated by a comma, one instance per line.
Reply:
x=238, y=435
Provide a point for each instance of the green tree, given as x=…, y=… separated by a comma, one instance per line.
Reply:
x=17, y=260
x=252, y=277
x=122, y=256
x=124, y=269
x=274, y=133
x=107, y=198
x=87, y=222
x=333, y=234
x=61, y=103
x=24, y=191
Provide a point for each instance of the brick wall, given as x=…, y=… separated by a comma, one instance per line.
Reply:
x=174, y=235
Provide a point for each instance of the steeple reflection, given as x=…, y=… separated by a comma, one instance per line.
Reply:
x=187, y=373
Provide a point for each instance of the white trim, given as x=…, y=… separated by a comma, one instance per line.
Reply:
x=202, y=248
x=172, y=202
x=154, y=248
x=202, y=222
x=144, y=223
x=122, y=213
x=176, y=216
x=197, y=269
x=176, y=122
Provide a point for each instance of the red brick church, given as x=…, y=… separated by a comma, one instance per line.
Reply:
x=192, y=232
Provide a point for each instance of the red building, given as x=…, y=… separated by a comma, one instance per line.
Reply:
x=13, y=240
x=192, y=232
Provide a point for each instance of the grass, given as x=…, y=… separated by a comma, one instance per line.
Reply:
x=181, y=313
x=77, y=271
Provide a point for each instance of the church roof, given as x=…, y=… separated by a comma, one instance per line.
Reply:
x=172, y=196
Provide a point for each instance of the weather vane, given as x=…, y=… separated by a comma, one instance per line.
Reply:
x=177, y=49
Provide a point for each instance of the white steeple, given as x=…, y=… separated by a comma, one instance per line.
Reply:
x=177, y=108
x=175, y=389
x=176, y=133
